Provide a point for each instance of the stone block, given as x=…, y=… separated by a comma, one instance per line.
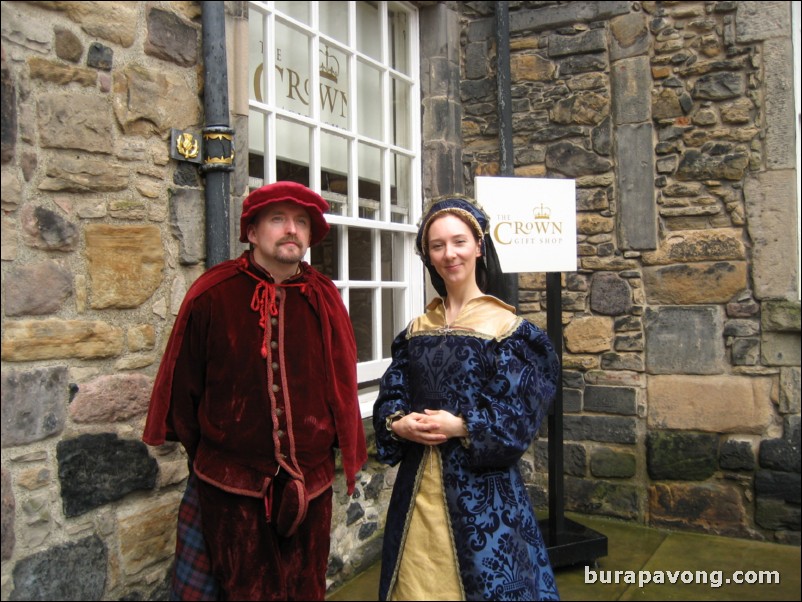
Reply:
x=718, y=404
x=790, y=384
x=575, y=459
x=736, y=455
x=589, y=334
x=8, y=514
x=757, y=21
x=53, y=573
x=780, y=454
x=147, y=533
x=607, y=463
x=36, y=289
x=689, y=246
x=97, y=469
x=695, y=283
x=611, y=400
x=684, y=340
x=681, y=456
x=604, y=429
x=111, y=398
x=126, y=264
x=170, y=38
x=28, y=340
x=635, y=176
x=187, y=221
x=610, y=294
x=780, y=316
x=629, y=36
x=780, y=137
x=34, y=404
x=781, y=349
x=779, y=485
x=713, y=508
x=776, y=515
x=631, y=88
x=769, y=200
x=587, y=496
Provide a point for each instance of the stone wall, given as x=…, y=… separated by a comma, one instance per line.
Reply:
x=93, y=267
x=681, y=391
x=682, y=378
x=102, y=234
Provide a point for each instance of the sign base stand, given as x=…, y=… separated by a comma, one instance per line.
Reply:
x=574, y=544
x=568, y=542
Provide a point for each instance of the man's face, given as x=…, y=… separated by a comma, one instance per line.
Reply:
x=281, y=233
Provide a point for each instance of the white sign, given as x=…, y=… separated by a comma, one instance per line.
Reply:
x=532, y=222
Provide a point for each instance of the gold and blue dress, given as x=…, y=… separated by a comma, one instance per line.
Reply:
x=460, y=524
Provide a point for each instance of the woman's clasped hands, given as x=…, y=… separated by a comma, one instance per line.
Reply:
x=432, y=427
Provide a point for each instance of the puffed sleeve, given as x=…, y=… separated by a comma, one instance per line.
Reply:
x=504, y=420
x=393, y=398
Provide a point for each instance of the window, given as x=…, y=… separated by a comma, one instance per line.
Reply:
x=333, y=104
x=796, y=21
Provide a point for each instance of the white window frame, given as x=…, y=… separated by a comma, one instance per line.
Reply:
x=368, y=372
x=796, y=22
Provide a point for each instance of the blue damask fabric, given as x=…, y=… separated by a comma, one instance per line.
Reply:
x=503, y=387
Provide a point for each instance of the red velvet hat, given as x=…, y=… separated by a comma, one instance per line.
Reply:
x=291, y=192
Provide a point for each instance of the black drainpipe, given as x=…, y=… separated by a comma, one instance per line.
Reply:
x=218, y=137
x=506, y=161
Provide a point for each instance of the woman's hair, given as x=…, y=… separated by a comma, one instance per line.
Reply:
x=489, y=277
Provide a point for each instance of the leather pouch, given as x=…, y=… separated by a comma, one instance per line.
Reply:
x=290, y=503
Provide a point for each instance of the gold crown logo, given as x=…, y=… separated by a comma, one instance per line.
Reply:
x=330, y=68
x=542, y=212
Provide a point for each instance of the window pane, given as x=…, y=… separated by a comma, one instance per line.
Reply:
x=292, y=69
x=334, y=172
x=297, y=10
x=369, y=181
x=361, y=312
x=334, y=20
x=360, y=254
x=393, y=261
x=399, y=47
x=364, y=147
x=401, y=126
x=256, y=140
x=333, y=86
x=401, y=192
x=368, y=29
x=292, y=146
x=325, y=256
x=392, y=317
x=256, y=58
x=369, y=117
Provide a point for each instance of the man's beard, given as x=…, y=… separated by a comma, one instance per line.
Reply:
x=287, y=254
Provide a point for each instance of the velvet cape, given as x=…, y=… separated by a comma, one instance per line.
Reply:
x=339, y=363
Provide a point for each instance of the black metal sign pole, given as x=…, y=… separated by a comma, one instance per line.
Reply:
x=554, y=325
x=568, y=543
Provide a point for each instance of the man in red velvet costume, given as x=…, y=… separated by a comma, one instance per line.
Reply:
x=258, y=382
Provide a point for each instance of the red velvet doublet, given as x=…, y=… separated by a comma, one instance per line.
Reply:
x=258, y=383
x=247, y=414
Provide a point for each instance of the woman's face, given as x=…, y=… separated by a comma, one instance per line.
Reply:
x=453, y=250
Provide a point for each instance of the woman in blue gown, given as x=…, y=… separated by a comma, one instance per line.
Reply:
x=464, y=396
